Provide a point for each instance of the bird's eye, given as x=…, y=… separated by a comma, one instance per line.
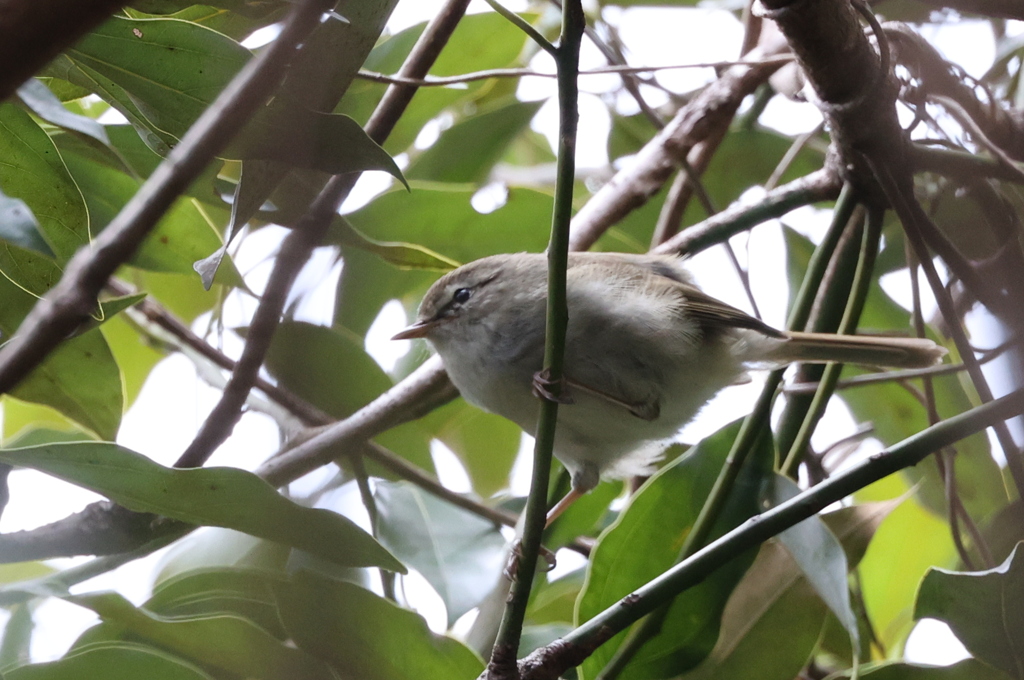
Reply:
x=461, y=295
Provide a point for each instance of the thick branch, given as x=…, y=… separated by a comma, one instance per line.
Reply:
x=32, y=32
x=821, y=185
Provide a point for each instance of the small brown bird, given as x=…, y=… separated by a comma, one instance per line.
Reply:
x=645, y=350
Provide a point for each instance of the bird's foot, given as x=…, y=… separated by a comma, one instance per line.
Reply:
x=544, y=387
x=511, y=570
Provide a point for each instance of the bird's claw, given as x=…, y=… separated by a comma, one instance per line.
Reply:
x=511, y=570
x=543, y=384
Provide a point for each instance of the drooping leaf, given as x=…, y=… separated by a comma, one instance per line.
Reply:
x=770, y=625
x=17, y=636
x=459, y=553
x=45, y=104
x=80, y=378
x=985, y=609
x=820, y=557
x=645, y=540
x=224, y=497
x=364, y=636
x=468, y=150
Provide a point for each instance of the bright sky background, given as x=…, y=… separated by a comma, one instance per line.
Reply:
x=175, y=400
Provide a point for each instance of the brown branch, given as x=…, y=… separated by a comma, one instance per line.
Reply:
x=32, y=32
x=939, y=78
x=821, y=185
x=72, y=300
x=634, y=185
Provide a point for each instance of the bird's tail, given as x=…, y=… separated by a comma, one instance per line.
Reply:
x=857, y=349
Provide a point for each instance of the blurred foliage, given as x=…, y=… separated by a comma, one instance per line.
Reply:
x=277, y=585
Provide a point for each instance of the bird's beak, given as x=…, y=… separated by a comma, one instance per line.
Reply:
x=420, y=329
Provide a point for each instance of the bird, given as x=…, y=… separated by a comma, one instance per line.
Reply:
x=645, y=350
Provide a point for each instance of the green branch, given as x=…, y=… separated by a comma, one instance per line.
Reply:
x=753, y=426
x=506, y=646
x=851, y=317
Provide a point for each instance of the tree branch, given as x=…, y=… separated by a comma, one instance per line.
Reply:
x=32, y=32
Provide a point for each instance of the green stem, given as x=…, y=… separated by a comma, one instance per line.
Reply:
x=567, y=59
x=851, y=317
x=575, y=646
x=752, y=427
x=525, y=26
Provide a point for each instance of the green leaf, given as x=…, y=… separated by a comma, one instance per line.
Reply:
x=645, y=541
x=774, y=618
x=234, y=24
x=460, y=554
x=169, y=70
x=297, y=136
x=403, y=255
x=226, y=644
x=246, y=593
x=112, y=660
x=17, y=637
x=364, y=636
x=968, y=669
x=80, y=378
x=183, y=234
x=770, y=625
x=327, y=367
x=45, y=104
x=223, y=497
x=889, y=572
x=820, y=557
x=34, y=172
x=330, y=369
x=486, y=444
x=985, y=609
x=468, y=150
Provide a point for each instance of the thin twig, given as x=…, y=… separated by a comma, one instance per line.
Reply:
x=635, y=184
x=877, y=378
x=443, y=81
x=524, y=26
x=910, y=212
